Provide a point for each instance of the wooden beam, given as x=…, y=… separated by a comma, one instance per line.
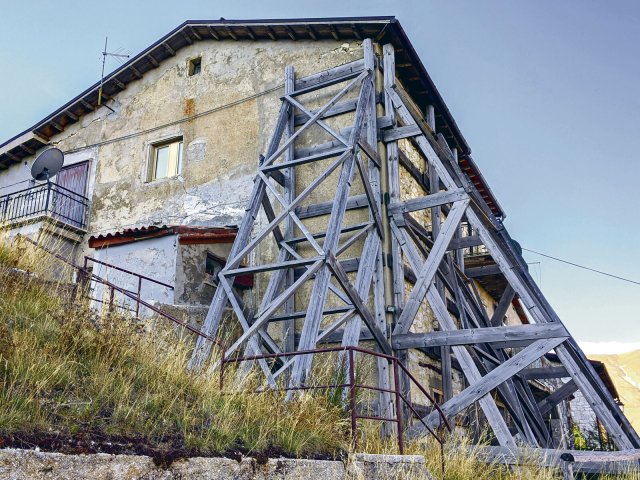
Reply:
x=546, y=404
x=476, y=272
x=504, y=304
x=324, y=208
x=397, y=133
x=250, y=33
x=168, y=48
x=135, y=72
x=29, y=150
x=465, y=242
x=494, y=378
x=271, y=33
x=193, y=32
x=428, y=201
x=311, y=32
x=363, y=310
x=86, y=104
x=543, y=373
x=152, y=59
x=213, y=33
x=428, y=271
x=118, y=83
x=290, y=32
x=71, y=115
x=230, y=32
x=519, y=333
x=186, y=37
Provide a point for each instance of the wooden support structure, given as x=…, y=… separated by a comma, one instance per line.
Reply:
x=354, y=260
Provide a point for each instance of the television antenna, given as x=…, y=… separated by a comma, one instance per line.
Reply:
x=118, y=56
x=47, y=164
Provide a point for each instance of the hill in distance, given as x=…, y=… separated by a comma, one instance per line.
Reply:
x=624, y=369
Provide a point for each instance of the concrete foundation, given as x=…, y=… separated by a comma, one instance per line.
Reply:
x=29, y=464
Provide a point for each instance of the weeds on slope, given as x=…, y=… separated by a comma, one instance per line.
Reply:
x=64, y=371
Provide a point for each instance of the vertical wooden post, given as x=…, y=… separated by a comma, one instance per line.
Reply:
x=393, y=176
x=289, y=326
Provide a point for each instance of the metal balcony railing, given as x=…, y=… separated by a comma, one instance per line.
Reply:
x=47, y=199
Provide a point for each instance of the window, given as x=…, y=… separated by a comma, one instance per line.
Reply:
x=213, y=265
x=195, y=66
x=166, y=159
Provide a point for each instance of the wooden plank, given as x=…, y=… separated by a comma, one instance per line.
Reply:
x=503, y=305
x=494, y=378
x=586, y=461
x=543, y=373
x=294, y=162
x=362, y=309
x=311, y=326
x=313, y=119
x=473, y=336
x=340, y=108
x=595, y=393
x=264, y=317
x=460, y=243
x=397, y=133
x=545, y=405
x=329, y=77
x=476, y=272
x=324, y=208
x=470, y=370
x=429, y=201
x=289, y=326
x=428, y=271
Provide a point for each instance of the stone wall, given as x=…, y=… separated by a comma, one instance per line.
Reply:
x=29, y=464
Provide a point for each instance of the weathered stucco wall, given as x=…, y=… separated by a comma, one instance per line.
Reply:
x=221, y=148
x=154, y=258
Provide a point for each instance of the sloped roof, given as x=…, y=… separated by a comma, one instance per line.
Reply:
x=384, y=29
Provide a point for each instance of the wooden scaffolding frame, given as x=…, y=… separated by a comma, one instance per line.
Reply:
x=377, y=304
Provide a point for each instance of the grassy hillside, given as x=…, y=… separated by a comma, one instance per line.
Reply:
x=78, y=382
x=624, y=369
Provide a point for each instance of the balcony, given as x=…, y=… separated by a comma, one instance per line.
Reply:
x=45, y=200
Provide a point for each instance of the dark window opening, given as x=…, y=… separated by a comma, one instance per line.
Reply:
x=213, y=265
x=195, y=66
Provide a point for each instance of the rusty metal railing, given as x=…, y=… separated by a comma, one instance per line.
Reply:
x=138, y=276
x=86, y=275
x=353, y=387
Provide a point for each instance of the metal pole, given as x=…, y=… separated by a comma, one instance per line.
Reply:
x=138, y=301
x=46, y=207
x=111, y=300
x=352, y=391
x=396, y=388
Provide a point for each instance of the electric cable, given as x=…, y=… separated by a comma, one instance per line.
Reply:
x=582, y=266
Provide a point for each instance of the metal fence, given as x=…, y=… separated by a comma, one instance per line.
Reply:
x=353, y=386
x=49, y=199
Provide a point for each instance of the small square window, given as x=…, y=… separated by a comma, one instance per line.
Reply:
x=195, y=66
x=166, y=159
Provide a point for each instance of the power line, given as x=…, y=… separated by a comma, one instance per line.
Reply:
x=582, y=266
x=182, y=120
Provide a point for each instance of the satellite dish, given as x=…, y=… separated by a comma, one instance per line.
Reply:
x=47, y=164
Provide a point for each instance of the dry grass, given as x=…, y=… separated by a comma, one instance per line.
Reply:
x=65, y=369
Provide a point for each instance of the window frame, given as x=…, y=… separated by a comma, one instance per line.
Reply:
x=194, y=64
x=174, y=165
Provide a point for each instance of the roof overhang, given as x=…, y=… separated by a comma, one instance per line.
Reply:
x=186, y=235
x=383, y=29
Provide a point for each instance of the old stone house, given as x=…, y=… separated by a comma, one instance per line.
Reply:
x=157, y=176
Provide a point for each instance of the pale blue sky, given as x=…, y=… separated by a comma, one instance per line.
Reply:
x=546, y=93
